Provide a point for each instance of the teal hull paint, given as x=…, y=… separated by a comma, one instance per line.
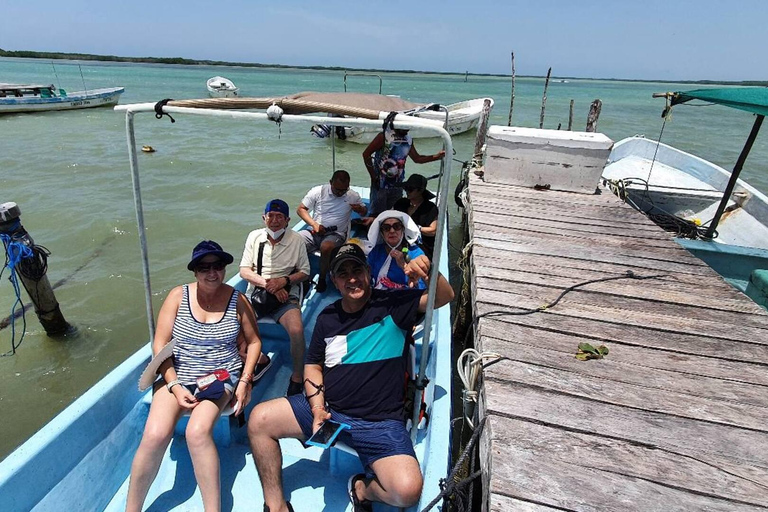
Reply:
x=740, y=266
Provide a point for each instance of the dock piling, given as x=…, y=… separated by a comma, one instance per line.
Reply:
x=544, y=99
x=570, y=117
x=594, y=114
x=512, y=96
x=32, y=269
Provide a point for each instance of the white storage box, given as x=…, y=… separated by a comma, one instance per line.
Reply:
x=568, y=161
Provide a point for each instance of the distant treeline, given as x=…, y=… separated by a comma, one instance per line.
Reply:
x=191, y=62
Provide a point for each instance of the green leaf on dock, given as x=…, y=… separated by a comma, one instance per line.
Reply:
x=587, y=351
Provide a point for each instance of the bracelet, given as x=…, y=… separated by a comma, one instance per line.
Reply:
x=315, y=407
x=172, y=383
x=288, y=279
x=246, y=376
x=244, y=380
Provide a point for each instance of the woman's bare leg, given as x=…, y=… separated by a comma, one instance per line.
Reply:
x=163, y=415
x=205, y=456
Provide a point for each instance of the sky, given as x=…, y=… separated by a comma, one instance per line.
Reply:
x=639, y=39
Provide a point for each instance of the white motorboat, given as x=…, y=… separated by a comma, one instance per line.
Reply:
x=220, y=87
x=457, y=117
x=16, y=98
x=718, y=217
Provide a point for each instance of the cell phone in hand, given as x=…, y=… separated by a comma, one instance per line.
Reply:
x=326, y=434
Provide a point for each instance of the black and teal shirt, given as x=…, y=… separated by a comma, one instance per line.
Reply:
x=364, y=354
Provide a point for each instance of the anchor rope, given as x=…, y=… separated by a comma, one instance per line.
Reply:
x=15, y=252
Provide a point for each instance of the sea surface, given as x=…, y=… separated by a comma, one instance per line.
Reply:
x=210, y=178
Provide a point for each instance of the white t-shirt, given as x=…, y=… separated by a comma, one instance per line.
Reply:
x=330, y=210
x=289, y=255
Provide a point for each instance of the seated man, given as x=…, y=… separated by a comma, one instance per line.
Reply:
x=274, y=258
x=331, y=205
x=355, y=370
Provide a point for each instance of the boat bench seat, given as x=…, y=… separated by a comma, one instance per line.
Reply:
x=222, y=429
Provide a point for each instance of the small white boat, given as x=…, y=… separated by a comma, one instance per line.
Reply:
x=689, y=187
x=461, y=117
x=719, y=218
x=220, y=87
x=16, y=98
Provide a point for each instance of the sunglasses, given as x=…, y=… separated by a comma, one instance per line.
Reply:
x=392, y=227
x=218, y=266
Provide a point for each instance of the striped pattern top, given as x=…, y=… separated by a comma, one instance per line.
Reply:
x=202, y=348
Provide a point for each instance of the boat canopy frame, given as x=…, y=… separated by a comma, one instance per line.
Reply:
x=749, y=99
x=400, y=121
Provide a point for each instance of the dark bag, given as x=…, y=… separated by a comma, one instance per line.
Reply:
x=262, y=301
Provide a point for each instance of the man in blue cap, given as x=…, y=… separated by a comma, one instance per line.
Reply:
x=275, y=263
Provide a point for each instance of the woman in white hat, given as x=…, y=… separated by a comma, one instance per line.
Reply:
x=201, y=322
x=393, y=236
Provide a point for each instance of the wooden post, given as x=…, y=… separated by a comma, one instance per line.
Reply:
x=31, y=272
x=594, y=114
x=466, y=75
x=482, y=132
x=570, y=117
x=512, y=99
x=544, y=99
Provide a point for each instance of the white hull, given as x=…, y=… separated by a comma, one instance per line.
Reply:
x=462, y=117
x=689, y=187
x=76, y=100
x=220, y=87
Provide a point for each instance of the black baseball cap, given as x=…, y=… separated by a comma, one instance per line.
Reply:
x=347, y=252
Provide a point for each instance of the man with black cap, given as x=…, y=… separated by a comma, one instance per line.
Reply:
x=274, y=263
x=418, y=205
x=354, y=374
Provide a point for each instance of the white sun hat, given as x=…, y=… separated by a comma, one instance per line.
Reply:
x=411, y=228
x=149, y=376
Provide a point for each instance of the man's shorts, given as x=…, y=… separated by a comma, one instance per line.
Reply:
x=373, y=440
x=313, y=240
x=291, y=303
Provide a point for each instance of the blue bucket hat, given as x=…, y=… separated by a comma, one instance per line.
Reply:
x=277, y=205
x=205, y=248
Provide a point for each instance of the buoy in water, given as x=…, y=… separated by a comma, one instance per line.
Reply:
x=148, y=149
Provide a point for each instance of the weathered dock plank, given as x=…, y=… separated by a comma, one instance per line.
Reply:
x=675, y=417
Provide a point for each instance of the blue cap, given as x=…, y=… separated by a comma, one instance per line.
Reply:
x=277, y=205
x=205, y=248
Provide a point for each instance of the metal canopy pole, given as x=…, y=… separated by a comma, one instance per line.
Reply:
x=734, y=176
x=140, y=222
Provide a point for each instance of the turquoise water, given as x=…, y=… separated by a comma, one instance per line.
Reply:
x=69, y=173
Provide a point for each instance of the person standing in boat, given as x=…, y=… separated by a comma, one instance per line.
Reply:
x=275, y=263
x=201, y=322
x=331, y=206
x=394, y=237
x=384, y=159
x=418, y=205
x=354, y=371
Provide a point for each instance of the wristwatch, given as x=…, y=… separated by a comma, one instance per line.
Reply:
x=172, y=383
x=287, y=278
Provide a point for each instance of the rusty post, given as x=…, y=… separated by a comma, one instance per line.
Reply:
x=512, y=96
x=570, y=117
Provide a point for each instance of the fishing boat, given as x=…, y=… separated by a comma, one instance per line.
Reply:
x=457, y=117
x=81, y=459
x=220, y=87
x=722, y=219
x=16, y=98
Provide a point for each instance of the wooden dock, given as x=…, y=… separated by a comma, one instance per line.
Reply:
x=675, y=417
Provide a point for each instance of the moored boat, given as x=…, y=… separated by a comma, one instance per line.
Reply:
x=81, y=459
x=220, y=87
x=15, y=98
x=721, y=219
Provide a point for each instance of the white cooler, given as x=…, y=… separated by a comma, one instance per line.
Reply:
x=527, y=157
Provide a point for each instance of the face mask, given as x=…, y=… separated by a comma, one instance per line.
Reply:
x=397, y=244
x=275, y=234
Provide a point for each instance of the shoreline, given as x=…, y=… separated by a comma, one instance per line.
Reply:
x=25, y=54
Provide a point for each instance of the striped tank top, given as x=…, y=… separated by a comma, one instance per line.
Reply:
x=202, y=348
